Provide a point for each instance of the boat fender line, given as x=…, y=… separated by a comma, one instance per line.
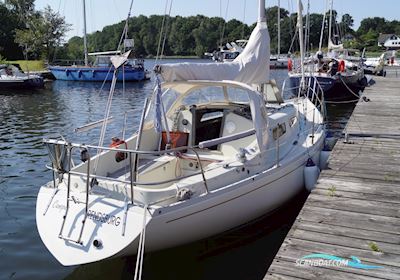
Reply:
x=84, y=155
x=324, y=157
x=67, y=72
x=342, y=66
x=290, y=65
x=93, y=73
x=79, y=73
x=241, y=155
x=311, y=174
x=116, y=143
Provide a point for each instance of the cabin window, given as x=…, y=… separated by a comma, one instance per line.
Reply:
x=238, y=95
x=168, y=98
x=278, y=131
x=204, y=95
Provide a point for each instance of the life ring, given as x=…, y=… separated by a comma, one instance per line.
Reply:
x=116, y=143
x=290, y=65
x=342, y=66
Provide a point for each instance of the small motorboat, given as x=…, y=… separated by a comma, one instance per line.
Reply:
x=12, y=77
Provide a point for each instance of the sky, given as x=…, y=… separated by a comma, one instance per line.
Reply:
x=105, y=12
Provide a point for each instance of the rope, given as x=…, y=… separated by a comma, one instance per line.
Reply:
x=140, y=254
x=348, y=88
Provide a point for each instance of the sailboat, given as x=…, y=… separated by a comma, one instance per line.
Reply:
x=338, y=78
x=100, y=71
x=216, y=147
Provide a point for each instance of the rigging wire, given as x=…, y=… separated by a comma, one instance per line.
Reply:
x=161, y=32
x=111, y=93
x=244, y=17
x=224, y=24
x=166, y=28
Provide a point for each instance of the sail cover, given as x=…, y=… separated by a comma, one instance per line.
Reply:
x=332, y=46
x=250, y=67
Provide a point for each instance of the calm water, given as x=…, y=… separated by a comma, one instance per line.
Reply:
x=27, y=117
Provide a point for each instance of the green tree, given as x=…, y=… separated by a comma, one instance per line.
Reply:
x=8, y=23
x=347, y=24
x=45, y=31
x=23, y=9
x=377, y=24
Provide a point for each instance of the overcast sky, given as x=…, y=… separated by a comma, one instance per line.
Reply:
x=105, y=12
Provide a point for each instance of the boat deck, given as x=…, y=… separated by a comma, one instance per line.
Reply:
x=355, y=208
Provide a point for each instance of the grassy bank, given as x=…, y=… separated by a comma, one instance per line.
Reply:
x=30, y=65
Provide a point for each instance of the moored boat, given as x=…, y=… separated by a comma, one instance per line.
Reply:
x=216, y=147
x=11, y=77
x=101, y=70
x=339, y=74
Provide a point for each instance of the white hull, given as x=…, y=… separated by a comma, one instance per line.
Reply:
x=170, y=226
x=223, y=211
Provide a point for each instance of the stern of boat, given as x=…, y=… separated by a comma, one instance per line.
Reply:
x=76, y=232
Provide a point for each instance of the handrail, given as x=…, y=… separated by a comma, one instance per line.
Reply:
x=128, y=182
x=133, y=180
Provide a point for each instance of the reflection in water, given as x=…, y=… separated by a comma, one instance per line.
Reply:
x=28, y=116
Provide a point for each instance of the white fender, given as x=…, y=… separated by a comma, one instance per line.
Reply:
x=311, y=174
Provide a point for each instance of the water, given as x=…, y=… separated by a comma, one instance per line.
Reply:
x=27, y=117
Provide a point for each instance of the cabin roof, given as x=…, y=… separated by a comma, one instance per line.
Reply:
x=384, y=37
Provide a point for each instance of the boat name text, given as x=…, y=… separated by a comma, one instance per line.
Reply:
x=104, y=218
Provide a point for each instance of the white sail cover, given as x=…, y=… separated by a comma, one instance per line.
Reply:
x=250, y=67
x=332, y=46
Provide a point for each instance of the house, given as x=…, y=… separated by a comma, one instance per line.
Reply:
x=389, y=41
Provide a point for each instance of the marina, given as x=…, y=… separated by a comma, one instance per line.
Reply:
x=353, y=211
x=153, y=156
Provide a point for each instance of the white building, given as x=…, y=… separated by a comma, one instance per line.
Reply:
x=389, y=41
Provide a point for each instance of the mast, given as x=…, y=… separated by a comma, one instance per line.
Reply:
x=261, y=11
x=307, y=36
x=301, y=41
x=323, y=27
x=279, y=28
x=84, y=33
x=330, y=23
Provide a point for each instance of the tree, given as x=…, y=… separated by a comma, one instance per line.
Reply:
x=347, y=24
x=8, y=23
x=23, y=9
x=377, y=24
x=45, y=31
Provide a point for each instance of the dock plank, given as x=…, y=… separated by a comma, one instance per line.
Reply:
x=354, y=209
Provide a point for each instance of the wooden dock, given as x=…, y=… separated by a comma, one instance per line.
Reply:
x=355, y=208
